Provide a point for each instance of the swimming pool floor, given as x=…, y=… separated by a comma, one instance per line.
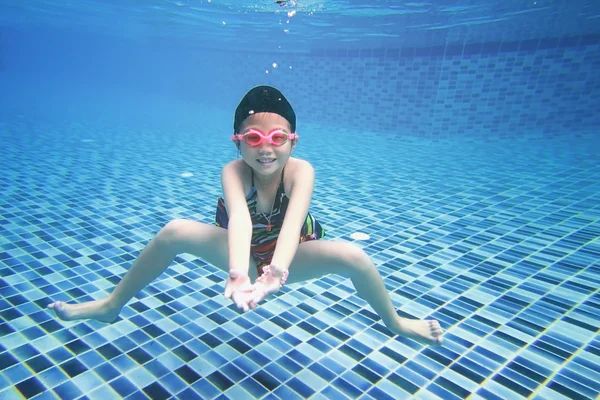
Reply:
x=498, y=241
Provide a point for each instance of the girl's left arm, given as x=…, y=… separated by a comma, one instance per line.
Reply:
x=300, y=195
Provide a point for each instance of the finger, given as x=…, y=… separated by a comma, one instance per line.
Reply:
x=229, y=291
x=258, y=298
x=240, y=303
x=245, y=306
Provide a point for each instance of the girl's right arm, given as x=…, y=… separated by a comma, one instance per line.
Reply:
x=239, y=231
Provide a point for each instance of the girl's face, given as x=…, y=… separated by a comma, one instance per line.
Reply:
x=266, y=159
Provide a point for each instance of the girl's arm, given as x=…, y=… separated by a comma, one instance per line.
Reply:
x=239, y=231
x=303, y=179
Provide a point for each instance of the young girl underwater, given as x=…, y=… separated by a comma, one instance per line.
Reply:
x=263, y=233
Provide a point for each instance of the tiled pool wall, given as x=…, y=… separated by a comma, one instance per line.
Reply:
x=533, y=89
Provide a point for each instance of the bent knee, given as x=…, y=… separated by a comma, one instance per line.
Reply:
x=173, y=232
x=355, y=258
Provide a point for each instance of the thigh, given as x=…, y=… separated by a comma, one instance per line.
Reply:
x=209, y=242
x=316, y=258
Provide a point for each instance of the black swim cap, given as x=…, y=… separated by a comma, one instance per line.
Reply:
x=264, y=99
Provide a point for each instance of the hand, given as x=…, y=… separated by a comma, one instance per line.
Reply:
x=265, y=285
x=239, y=288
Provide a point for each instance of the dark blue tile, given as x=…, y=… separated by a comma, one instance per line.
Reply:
x=220, y=381
x=123, y=386
x=266, y=380
x=107, y=372
x=512, y=385
x=73, y=367
x=38, y=363
x=30, y=387
x=108, y=351
x=140, y=356
x=156, y=391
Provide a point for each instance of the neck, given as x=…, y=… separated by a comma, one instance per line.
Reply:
x=267, y=181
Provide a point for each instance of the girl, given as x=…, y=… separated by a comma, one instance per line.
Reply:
x=264, y=232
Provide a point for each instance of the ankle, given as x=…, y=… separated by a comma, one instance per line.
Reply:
x=393, y=322
x=113, y=304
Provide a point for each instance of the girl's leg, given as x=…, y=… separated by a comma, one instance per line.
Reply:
x=316, y=258
x=179, y=236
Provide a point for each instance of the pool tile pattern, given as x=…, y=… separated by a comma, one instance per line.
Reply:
x=499, y=242
x=479, y=91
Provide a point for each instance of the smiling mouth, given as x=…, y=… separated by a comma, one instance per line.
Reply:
x=266, y=160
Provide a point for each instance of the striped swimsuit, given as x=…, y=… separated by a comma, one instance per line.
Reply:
x=263, y=242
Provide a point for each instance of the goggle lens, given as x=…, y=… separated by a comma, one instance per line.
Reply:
x=252, y=138
x=255, y=138
x=279, y=138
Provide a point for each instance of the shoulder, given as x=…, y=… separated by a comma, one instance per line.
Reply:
x=238, y=171
x=302, y=166
x=235, y=166
x=298, y=172
x=296, y=168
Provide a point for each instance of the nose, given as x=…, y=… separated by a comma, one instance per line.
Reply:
x=265, y=147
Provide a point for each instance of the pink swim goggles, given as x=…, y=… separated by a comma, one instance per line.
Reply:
x=254, y=137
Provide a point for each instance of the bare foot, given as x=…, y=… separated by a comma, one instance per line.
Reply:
x=97, y=309
x=423, y=331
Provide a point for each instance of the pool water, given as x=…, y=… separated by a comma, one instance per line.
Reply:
x=457, y=144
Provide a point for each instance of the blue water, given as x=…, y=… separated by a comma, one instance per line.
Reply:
x=475, y=174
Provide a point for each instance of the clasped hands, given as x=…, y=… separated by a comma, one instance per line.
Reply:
x=246, y=295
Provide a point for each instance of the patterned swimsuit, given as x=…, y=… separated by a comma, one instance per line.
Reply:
x=263, y=242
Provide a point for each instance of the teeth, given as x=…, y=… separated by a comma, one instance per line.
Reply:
x=265, y=160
